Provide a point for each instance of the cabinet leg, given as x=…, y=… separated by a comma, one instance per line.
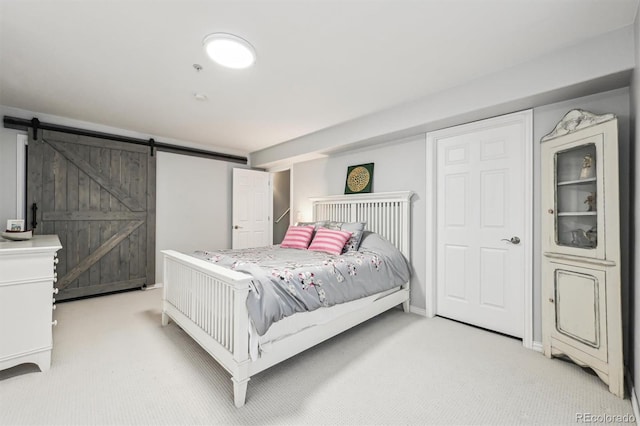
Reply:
x=43, y=361
x=616, y=384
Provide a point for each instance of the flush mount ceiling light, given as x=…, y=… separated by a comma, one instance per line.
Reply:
x=229, y=51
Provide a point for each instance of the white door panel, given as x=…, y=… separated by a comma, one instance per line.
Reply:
x=480, y=202
x=251, y=216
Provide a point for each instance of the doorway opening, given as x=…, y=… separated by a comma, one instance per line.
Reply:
x=281, y=204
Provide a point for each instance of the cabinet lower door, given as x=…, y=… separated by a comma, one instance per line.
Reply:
x=579, y=312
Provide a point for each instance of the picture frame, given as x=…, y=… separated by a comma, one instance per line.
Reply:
x=15, y=225
x=359, y=179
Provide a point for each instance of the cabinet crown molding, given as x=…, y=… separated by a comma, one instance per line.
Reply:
x=574, y=120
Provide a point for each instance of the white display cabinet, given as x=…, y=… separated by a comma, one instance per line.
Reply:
x=581, y=311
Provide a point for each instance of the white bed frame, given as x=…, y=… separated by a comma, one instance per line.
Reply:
x=208, y=301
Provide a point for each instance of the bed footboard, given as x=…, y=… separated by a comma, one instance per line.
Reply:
x=209, y=303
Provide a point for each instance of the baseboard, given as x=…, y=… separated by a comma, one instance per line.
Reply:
x=538, y=347
x=152, y=287
x=418, y=311
x=634, y=403
x=633, y=396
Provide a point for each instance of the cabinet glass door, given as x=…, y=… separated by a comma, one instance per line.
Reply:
x=576, y=193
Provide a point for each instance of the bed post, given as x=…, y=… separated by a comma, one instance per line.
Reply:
x=406, y=243
x=240, y=342
x=165, y=286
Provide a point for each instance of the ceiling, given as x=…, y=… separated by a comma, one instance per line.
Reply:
x=129, y=64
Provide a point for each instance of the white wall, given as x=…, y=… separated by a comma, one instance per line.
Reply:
x=193, y=208
x=596, y=65
x=8, y=140
x=398, y=166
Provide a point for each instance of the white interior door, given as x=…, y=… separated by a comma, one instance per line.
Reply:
x=483, y=201
x=252, y=205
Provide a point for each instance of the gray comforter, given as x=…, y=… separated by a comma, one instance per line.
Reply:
x=288, y=280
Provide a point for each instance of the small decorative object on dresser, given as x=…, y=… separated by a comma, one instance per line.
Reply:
x=15, y=231
x=26, y=301
x=581, y=310
x=17, y=235
x=15, y=225
x=359, y=179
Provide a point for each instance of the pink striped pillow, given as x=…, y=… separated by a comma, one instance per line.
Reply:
x=298, y=237
x=329, y=240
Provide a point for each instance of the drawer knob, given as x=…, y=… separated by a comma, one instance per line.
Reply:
x=56, y=290
x=54, y=307
x=55, y=279
x=551, y=300
x=54, y=323
x=56, y=260
x=53, y=300
x=550, y=211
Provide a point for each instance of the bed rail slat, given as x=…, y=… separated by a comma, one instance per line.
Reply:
x=206, y=301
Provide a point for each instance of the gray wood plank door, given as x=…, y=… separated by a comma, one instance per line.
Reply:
x=98, y=196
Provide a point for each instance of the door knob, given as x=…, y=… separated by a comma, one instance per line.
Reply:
x=513, y=240
x=237, y=227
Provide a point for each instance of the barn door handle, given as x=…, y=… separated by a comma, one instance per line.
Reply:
x=34, y=222
x=513, y=240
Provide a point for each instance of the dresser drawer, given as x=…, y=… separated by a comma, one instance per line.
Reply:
x=18, y=268
x=26, y=318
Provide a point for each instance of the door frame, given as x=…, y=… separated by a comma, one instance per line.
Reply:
x=22, y=141
x=522, y=117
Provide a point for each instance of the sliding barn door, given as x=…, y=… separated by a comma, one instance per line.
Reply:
x=98, y=196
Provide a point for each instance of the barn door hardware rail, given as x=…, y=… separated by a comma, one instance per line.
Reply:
x=35, y=124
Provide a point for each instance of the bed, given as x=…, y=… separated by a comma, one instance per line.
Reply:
x=209, y=302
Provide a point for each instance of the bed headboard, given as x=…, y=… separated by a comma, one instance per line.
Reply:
x=387, y=213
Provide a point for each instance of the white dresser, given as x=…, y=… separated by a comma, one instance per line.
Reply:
x=27, y=275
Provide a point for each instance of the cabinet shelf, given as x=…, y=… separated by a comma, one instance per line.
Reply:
x=576, y=182
x=578, y=214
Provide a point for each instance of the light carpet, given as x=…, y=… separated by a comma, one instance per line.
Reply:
x=113, y=363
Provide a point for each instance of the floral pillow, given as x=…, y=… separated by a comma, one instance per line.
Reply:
x=357, y=230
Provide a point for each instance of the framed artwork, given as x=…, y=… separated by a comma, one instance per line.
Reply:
x=359, y=179
x=15, y=225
